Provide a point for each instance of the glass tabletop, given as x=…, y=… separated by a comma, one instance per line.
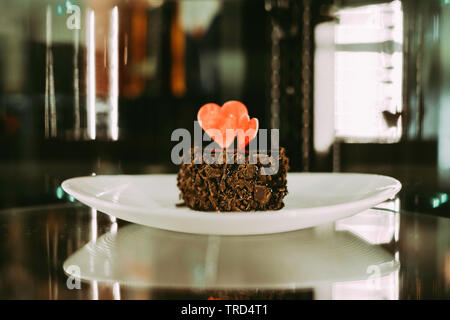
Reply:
x=70, y=251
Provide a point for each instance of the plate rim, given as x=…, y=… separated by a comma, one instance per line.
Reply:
x=386, y=193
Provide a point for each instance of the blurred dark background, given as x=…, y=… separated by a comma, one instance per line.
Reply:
x=353, y=86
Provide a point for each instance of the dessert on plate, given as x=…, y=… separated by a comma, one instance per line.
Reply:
x=237, y=179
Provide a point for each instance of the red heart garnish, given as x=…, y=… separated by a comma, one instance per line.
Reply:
x=222, y=124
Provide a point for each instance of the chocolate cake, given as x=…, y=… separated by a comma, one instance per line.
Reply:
x=237, y=185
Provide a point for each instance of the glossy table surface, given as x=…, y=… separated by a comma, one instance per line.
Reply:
x=70, y=251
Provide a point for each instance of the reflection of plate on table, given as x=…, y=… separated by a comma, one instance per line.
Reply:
x=313, y=199
x=148, y=257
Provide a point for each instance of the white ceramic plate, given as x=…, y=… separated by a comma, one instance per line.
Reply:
x=313, y=199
